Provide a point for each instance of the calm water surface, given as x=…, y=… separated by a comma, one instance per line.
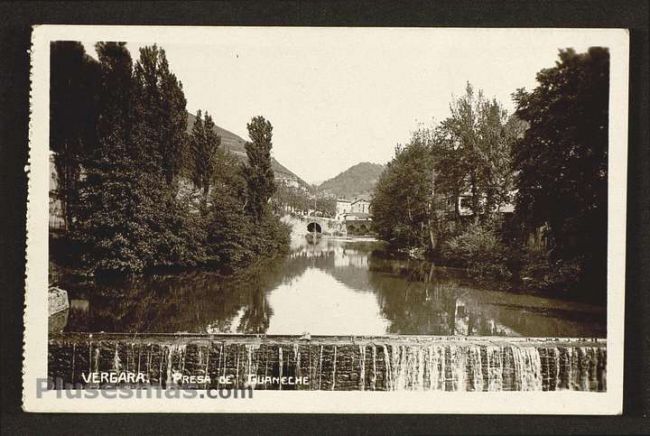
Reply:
x=335, y=287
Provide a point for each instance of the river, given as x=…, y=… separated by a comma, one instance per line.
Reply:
x=337, y=287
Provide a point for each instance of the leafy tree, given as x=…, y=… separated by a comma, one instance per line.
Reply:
x=402, y=196
x=112, y=192
x=230, y=228
x=197, y=141
x=242, y=227
x=74, y=81
x=204, y=143
x=328, y=206
x=116, y=93
x=468, y=151
x=479, y=249
x=473, y=151
x=132, y=214
x=562, y=158
x=129, y=219
x=173, y=121
x=259, y=172
x=160, y=108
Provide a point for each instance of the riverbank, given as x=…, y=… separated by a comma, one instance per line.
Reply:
x=516, y=272
x=332, y=288
x=233, y=257
x=502, y=267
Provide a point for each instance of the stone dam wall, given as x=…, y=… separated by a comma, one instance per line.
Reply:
x=386, y=363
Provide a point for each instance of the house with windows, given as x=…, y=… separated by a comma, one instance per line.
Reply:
x=351, y=210
x=465, y=205
x=360, y=205
x=343, y=207
x=355, y=214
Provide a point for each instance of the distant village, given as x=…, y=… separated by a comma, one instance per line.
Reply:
x=353, y=210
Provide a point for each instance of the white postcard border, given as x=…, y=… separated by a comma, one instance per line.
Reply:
x=36, y=314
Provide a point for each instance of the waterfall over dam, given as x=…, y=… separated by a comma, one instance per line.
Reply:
x=373, y=363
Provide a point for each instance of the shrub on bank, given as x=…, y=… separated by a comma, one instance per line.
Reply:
x=538, y=271
x=480, y=250
x=235, y=240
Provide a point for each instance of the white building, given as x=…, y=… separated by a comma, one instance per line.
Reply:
x=343, y=207
x=360, y=206
x=465, y=204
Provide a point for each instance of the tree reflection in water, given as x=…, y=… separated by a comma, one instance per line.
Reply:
x=257, y=313
x=409, y=298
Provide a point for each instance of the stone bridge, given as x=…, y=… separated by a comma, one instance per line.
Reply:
x=322, y=224
x=332, y=226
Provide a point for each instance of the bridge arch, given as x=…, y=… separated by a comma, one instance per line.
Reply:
x=314, y=227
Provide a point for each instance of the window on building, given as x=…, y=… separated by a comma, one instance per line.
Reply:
x=465, y=202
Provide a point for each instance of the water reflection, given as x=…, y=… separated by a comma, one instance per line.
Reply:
x=335, y=287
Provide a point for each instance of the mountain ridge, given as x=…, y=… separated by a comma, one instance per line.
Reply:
x=235, y=145
x=358, y=180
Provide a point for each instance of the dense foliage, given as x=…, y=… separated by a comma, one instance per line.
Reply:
x=472, y=149
x=455, y=182
x=133, y=171
x=480, y=249
x=258, y=171
x=300, y=200
x=416, y=202
x=562, y=160
x=74, y=84
x=204, y=144
x=400, y=206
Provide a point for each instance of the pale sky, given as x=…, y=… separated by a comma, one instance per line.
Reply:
x=340, y=96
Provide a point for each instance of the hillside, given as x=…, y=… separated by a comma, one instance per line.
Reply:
x=357, y=180
x=235, y=145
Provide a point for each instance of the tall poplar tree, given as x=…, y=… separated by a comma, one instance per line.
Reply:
x=258, y=171
x=160, y=108
x=204, y=143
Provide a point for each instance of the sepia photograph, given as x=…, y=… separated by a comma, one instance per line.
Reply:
x=430, y=215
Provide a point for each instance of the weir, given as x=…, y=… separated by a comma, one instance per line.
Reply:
x=374, y=363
